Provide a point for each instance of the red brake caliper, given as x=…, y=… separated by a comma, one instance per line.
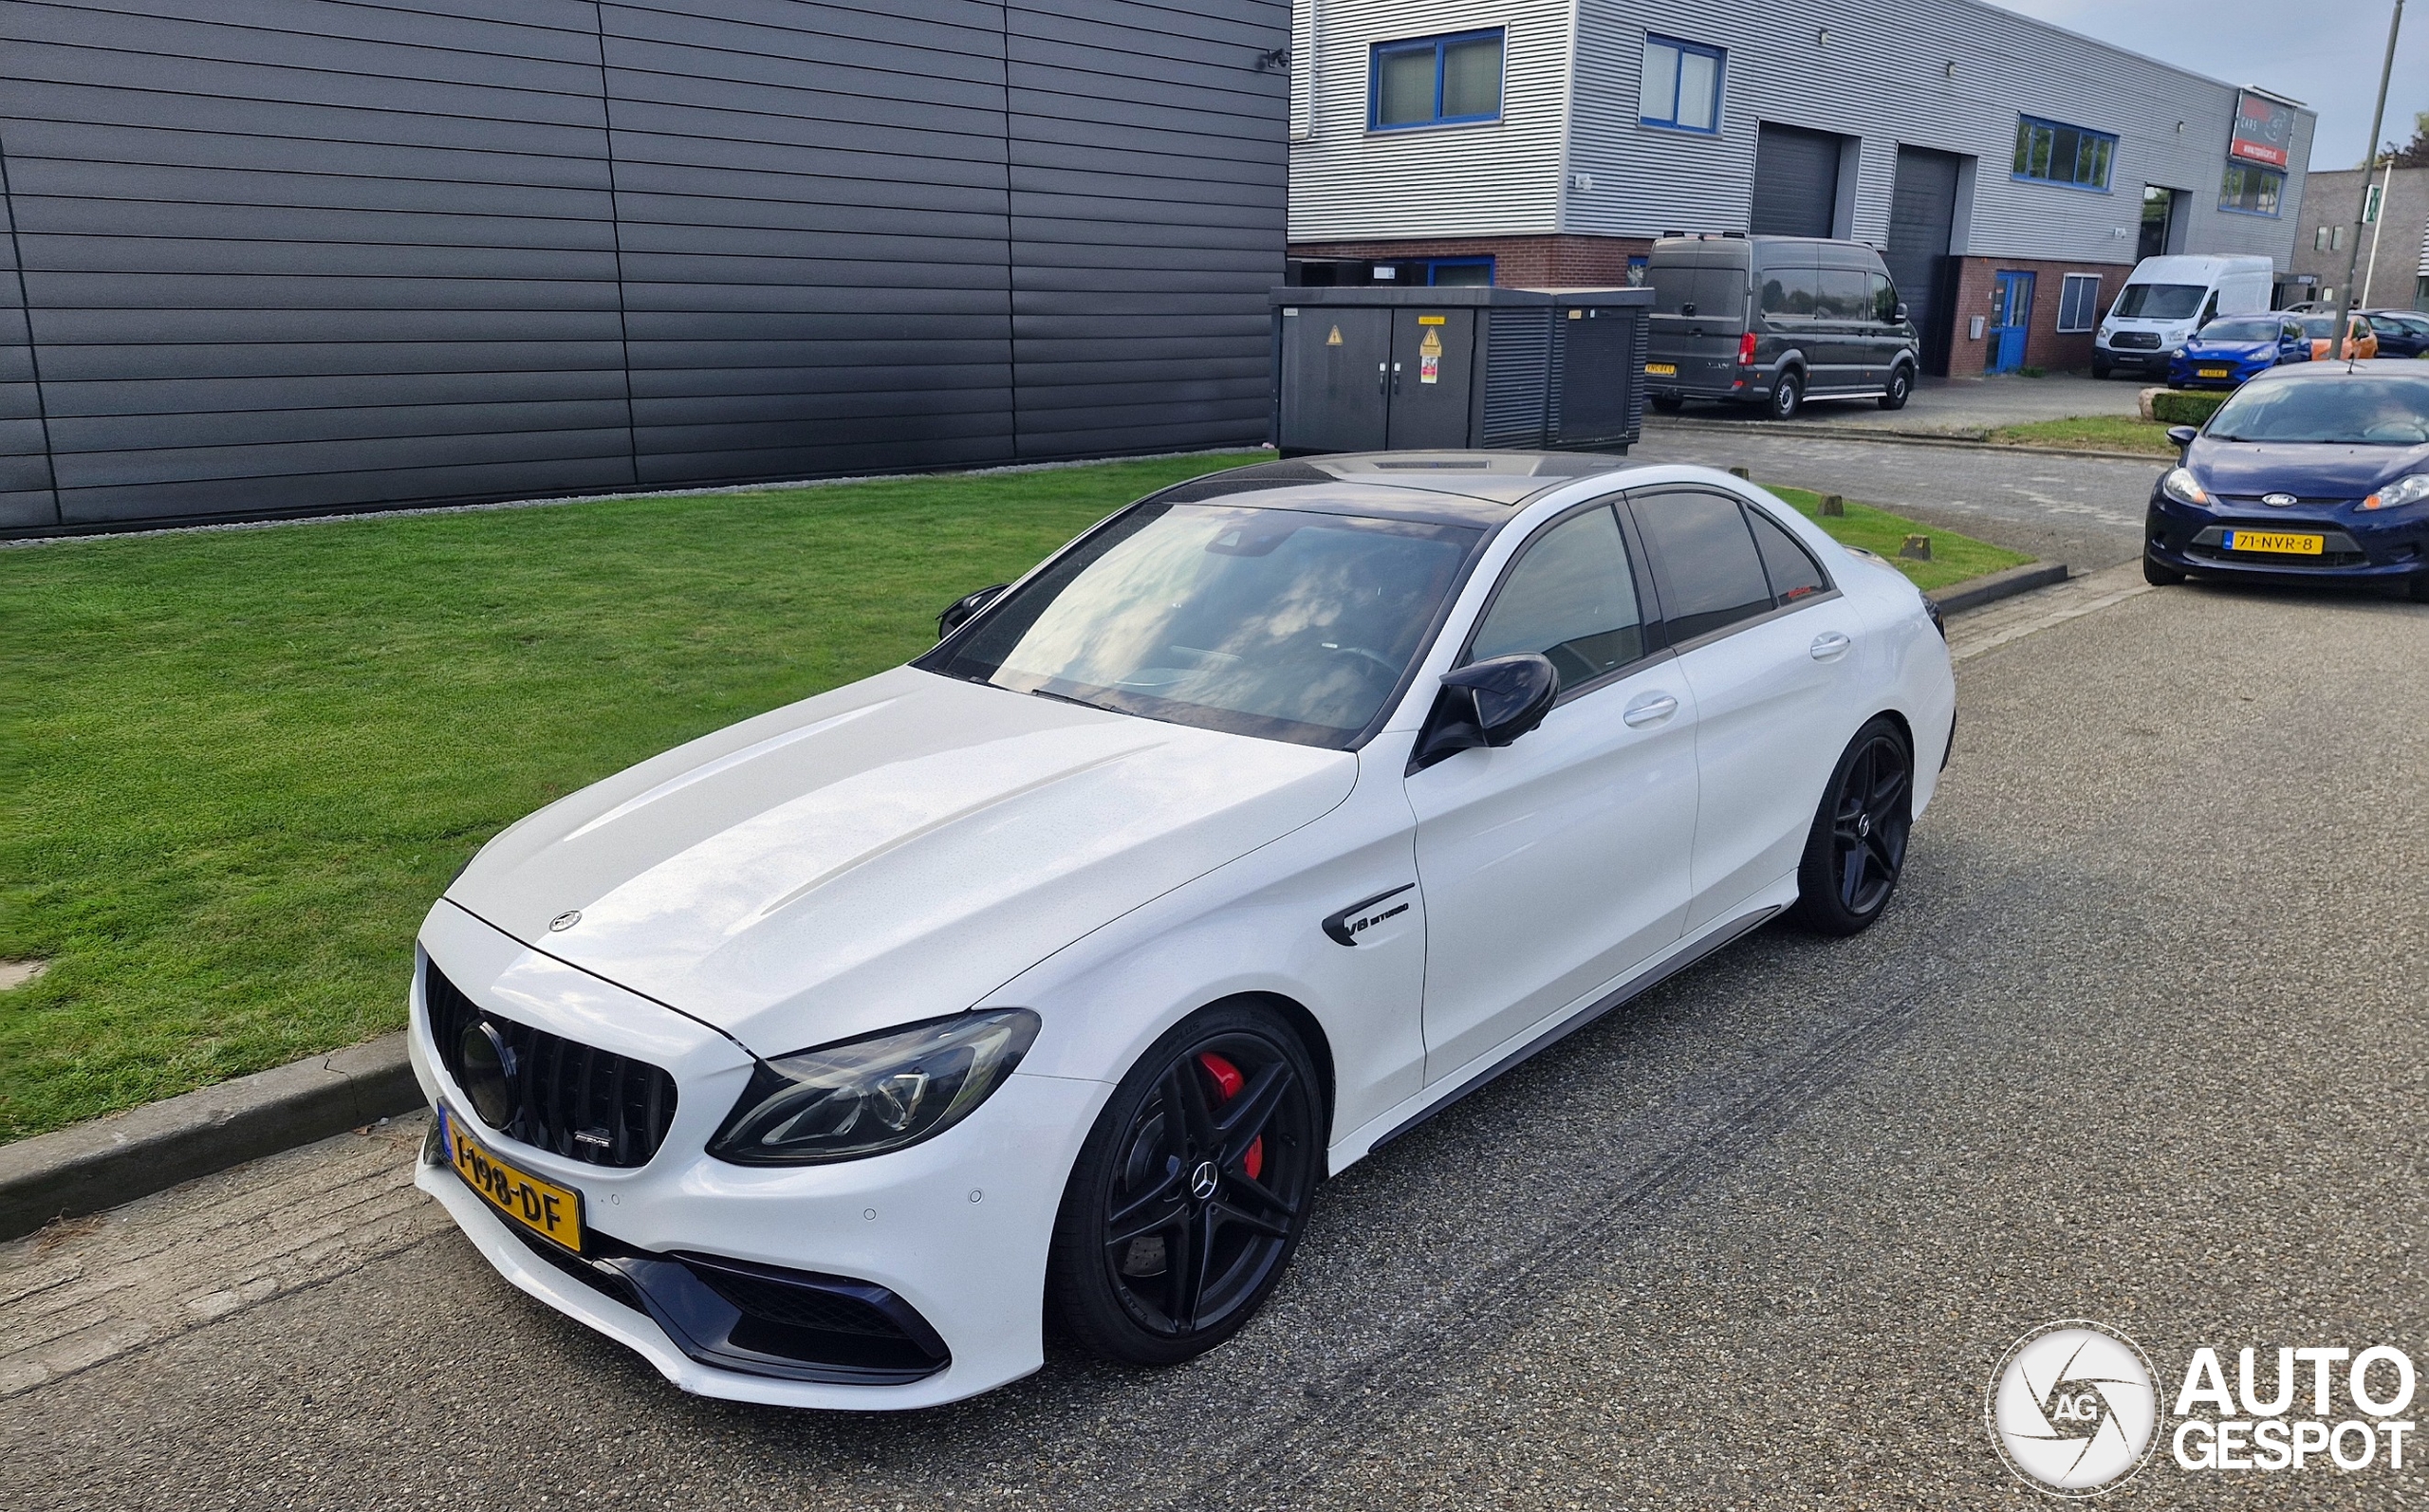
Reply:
x=1229, y=1081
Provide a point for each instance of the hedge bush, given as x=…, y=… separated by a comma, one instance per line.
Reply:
x=2182, y=407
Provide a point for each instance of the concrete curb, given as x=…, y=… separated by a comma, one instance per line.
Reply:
x=97, y=1166
x=94, y=1166
x=1886, y=436
x=1992, y=587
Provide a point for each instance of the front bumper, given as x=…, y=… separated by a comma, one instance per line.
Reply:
x=956, y=1227
x=2185, y=373
x=2359, y=548
x=2135, y=360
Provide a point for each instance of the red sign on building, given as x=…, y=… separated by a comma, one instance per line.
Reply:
x=2264, y=130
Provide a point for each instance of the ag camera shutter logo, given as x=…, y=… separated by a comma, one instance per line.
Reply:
x=2073, y=1409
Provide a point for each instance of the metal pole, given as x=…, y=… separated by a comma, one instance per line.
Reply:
x=2377, y=118
x=2387, y=186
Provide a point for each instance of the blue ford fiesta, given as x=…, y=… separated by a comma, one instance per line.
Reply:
x=2307, y=474
x=2227, y=352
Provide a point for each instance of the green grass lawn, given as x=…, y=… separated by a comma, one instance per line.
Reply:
x=2097, y=432
x=244, y=762
x=1955, y=558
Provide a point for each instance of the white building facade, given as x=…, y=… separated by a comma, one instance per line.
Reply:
x=2006, y=168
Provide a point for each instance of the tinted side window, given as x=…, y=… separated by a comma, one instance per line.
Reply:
x=1790, y=291
x=1794, y=574
x=1883, y=295
x=1842, y=295
x=1704, y=561
x=1571, y=598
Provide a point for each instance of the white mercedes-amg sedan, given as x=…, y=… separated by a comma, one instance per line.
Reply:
x=832, y=1058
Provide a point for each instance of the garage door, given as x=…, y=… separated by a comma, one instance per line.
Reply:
x=1922, y=211
x=1796, y=181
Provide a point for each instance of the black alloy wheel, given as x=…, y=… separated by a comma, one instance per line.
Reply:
x=1787, y=396
x=1901, y=387
x=2157, y=574
x=1858, y=844
x=1667, y=404
x=1192, y=1191
x=2420, y=587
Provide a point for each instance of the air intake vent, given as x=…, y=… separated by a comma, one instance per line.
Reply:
x=567, y=1099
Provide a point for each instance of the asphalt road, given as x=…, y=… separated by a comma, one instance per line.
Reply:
x=2083, y=511
x=2140, y=1040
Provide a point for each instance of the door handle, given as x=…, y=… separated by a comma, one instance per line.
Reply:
x=1650, y=709
x=1830, y=645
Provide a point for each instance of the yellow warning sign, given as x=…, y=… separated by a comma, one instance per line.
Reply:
x=1429, y=320
x=1429, y=358
x=1432, y=346
x=1334, y=340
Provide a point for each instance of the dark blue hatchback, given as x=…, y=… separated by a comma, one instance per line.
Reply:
x=2226, y=352
x=2317, y=473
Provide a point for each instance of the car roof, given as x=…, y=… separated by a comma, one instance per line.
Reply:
x=2334, y=368
x=1455, y=487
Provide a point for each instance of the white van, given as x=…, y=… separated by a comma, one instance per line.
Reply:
x=2167, y=299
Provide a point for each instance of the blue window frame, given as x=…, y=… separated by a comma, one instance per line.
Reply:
x=1681, y=86
x=1436, y=81
x=2052, y=152
x=1463, y=271
x=2249, y=190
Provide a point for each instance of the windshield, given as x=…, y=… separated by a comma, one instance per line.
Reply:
x=2318, y=327
x=2240, y=331
x=1288, y=624
x=2160, y=302
x=2352, y=408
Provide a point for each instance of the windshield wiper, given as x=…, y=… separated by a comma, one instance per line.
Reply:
x=1067, y=698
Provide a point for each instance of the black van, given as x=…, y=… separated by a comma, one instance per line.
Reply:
x=1776, y=320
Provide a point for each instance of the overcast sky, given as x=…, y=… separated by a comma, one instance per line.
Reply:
x=2325, y=53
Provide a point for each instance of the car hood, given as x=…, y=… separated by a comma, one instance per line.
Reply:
x=2229, y=349
x=888, y=852
x=2310, y=470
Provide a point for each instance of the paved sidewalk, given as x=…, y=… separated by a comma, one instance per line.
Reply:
x=90, y=1290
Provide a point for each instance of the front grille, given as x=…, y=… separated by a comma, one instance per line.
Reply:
x=2134, y=342
x=568, y=1099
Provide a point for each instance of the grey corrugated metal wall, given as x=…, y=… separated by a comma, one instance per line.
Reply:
x=309, y=254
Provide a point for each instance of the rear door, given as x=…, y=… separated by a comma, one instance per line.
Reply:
x=1769, y=649
x=1698, y=314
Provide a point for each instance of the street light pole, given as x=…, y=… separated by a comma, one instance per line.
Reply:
x=2338, y=338
x=2378, y=227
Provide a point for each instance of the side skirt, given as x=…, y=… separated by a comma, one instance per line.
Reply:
x=1434, y=1099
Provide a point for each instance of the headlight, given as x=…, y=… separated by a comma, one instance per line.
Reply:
x=2179, y=485
x=868, y=1096
x=2399, y=493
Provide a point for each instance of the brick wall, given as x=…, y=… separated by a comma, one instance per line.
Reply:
x=2043, y=346
x=1518, y=262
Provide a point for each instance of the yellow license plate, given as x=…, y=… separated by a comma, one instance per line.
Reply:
x=2217, y=372
x=1662, y=369
x=543, y=1206
x=2283, y=543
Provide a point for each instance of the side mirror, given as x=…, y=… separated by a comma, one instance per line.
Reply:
x=1486, y=702
x=2182, y=435
x=958, y=613
x=1902, y=310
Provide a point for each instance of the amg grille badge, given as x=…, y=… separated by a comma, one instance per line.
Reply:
x=1344, y=926
x=597, y=1138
